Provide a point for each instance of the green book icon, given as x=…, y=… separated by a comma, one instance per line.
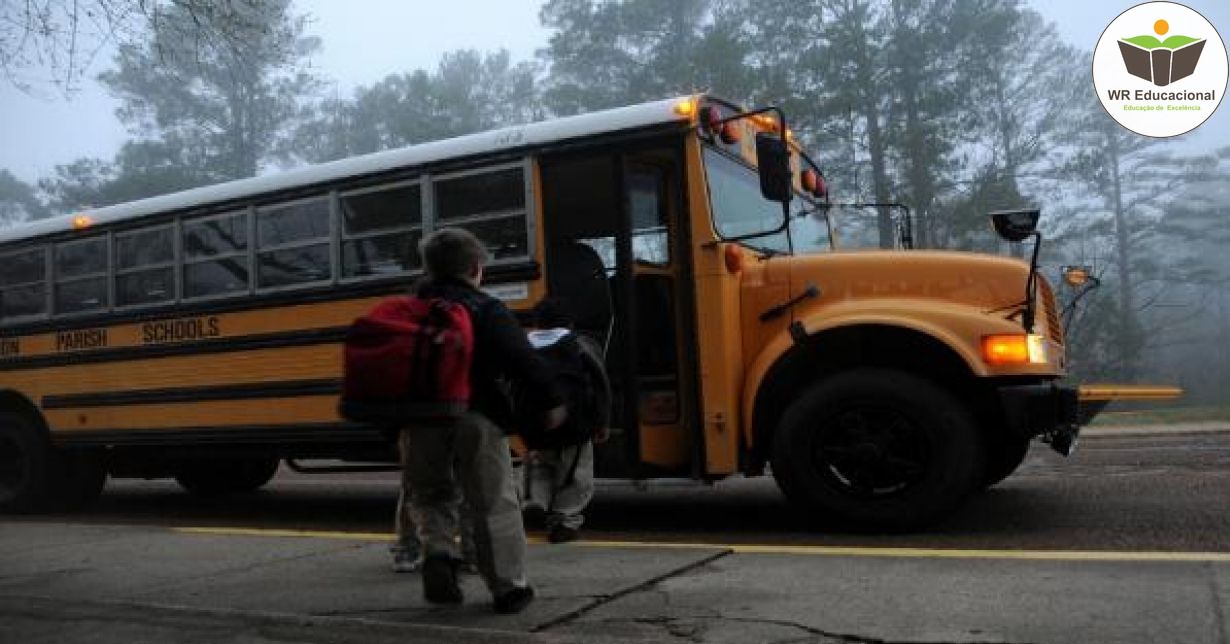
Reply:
x=1161, y=62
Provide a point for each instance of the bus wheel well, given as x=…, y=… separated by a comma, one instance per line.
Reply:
x=845, y=348
x=14, y=402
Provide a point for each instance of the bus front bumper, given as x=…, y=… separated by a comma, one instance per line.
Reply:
x=1056, y=413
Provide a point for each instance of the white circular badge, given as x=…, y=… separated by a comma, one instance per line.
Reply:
x=1160, y=69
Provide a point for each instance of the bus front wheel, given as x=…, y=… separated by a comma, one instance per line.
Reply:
x=213, y=477
x=1006, y=454
x=877, y=449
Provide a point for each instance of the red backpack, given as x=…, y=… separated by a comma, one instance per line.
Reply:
x=408, y=359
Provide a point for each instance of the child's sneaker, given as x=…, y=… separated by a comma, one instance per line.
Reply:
x=440, y=580
x=406, y=560
x=560, y=533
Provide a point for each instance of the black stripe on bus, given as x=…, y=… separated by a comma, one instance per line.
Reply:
x=492, y=276
x=277, y=340
x=350, y=434
x=286, y=389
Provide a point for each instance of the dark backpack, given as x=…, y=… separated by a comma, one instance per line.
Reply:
x=408, y=359
x=582, y=383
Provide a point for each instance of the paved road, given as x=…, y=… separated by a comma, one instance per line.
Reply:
x=1130, y=493
x=1126, y=542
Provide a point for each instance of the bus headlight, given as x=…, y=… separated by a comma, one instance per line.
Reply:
x=1015, y=348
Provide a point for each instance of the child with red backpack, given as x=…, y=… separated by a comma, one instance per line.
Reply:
x=447, y=396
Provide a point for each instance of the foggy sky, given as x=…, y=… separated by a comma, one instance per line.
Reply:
x=365, y=41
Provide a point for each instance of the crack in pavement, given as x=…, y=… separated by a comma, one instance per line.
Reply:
x=645, y=585
x=694, y=632
x=1218, y=613
x=841, y=637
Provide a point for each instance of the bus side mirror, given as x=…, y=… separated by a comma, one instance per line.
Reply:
x=773, y=159
x=1015, y=225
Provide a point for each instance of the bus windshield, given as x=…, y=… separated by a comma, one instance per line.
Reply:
x=739, y=210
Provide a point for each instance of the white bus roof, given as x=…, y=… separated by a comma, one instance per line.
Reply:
x=540, y=133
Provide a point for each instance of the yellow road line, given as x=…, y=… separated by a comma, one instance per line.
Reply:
x=744, y=548
x=930, y=553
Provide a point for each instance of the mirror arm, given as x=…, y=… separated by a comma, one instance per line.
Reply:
x=1031, y=286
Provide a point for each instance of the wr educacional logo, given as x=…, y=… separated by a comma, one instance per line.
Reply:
x=1181, y=59
x=1161, y=62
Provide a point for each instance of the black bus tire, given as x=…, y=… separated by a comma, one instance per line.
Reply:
x=214, y=477
x=26, y=465
x=1004, y=455
x=877, y=449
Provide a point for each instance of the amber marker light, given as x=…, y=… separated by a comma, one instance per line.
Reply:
x=685, y=108
x=1013, y=348
x=1075, y=276
x=731, y=134
x=82, y=221
x=809, y=179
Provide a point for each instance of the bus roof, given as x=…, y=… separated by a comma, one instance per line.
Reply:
x=540, y=133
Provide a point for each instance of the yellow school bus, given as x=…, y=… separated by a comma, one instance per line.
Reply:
x=197, y=335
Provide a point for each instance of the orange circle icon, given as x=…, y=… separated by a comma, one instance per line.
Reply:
x=1161, y=27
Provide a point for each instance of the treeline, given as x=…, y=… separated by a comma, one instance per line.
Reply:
x=953, y=107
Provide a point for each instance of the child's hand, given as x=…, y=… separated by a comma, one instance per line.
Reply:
x=556, y=417
x=601, y=435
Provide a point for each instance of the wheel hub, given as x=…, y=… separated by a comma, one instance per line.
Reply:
x=871, y=452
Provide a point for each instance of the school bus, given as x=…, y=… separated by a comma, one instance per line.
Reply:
x=197, y=335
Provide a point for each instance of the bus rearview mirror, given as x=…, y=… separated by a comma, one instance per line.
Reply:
x=773, y=159
x=1015, y=225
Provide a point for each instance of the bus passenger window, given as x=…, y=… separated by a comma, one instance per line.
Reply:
x=504, y=238
x=215, y=236
x=381, y=230
x=23, y=284
x=293, y=243
x=478, y=194
x=81, y=275
x=144, y=267
x=216, y=255
x=491, y=205
x=293, y=266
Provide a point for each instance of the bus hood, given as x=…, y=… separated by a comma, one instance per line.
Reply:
x=989, y=282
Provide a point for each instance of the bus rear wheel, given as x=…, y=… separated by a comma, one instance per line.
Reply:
x=35, y=477
x=877, y=449
x=25, y=465
x=214, y=477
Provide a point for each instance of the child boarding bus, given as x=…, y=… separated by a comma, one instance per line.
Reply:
x=197, y=335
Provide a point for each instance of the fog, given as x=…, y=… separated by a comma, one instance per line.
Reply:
x=914, y=123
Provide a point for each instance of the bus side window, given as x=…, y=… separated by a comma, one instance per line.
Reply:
x=81, y=275
x=292, y=241
x=144, y=266
x=216, y=255
x=381, y=230
x=23, y=284
x=490, y=204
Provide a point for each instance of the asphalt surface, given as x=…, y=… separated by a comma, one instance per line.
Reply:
x=1153, y=492
x=1127, y=541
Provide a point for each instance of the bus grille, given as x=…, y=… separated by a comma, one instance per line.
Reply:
x=1054, y=327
